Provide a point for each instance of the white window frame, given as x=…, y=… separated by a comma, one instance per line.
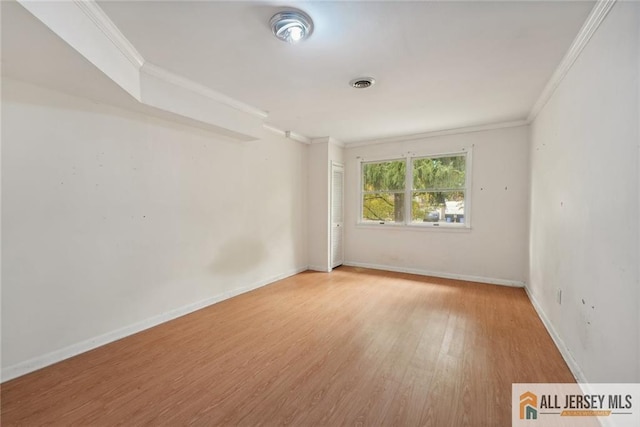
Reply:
x=361, y=192
x=408, y=190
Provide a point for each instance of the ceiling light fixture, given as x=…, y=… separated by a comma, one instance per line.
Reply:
x=362, y=82
x=291, y=25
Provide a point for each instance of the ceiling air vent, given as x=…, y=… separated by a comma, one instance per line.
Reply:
x=362, y=82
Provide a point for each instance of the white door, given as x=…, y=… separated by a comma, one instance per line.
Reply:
x=337, y=213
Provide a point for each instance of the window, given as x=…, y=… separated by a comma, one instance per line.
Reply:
x=416, y=190
x=383, y=191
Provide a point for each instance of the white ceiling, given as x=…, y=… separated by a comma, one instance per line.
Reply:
x=438, y=65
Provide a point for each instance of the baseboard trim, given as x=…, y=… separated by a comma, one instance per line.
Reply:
x=440, y=274
x=319, y=268
x=562, y=347
x=56, y=356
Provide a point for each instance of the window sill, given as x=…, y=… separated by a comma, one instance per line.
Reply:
x=416, y=227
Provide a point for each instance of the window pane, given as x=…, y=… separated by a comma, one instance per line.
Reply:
x=384, y=176
x=439, y=173
x=386, y=207
x=434, y=206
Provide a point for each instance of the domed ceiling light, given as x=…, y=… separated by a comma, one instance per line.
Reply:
x=291, y=25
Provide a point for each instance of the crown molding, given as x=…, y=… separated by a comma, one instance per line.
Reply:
x=590, y=26
x=85, y=30
x=321, y=140
x=274, y=129
x=121, y=61
x=113, y=33
x=109, y=29
x=327, y=140
x=190, y=85
x=84, y=26
x=297, y=137
x=288, y=134
x=443, y=132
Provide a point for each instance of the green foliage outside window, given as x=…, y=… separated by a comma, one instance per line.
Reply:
x=438, y=183
x=384, y=186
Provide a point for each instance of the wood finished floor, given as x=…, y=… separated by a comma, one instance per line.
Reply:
x=353, y=347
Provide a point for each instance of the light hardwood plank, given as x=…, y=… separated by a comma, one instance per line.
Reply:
x=354, y=346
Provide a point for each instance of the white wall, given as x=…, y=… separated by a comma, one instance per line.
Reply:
x=584, y=205
x=322, y=153
x=317, y=195
x=493, y=250
x=113, y=221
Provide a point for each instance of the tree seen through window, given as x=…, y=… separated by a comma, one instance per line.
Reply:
x=437, y=189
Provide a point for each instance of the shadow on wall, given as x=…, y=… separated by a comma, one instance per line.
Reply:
x=238, y=256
